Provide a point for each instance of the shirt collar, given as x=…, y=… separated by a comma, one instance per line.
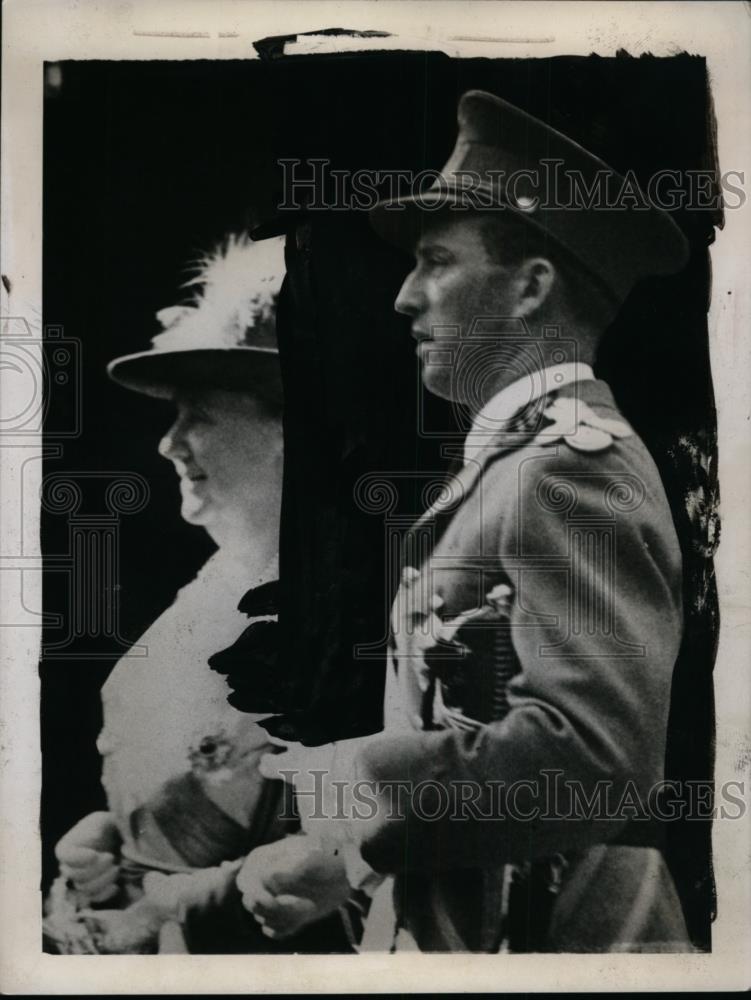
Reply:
x=505, y=404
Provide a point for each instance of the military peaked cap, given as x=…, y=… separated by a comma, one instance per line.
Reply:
x=505, y=160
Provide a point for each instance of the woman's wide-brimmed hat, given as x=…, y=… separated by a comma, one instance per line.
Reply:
x=225, y=335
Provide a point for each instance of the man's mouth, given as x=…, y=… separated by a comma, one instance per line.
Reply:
x=424, y=340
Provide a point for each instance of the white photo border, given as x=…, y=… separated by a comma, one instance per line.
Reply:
x=36, y=31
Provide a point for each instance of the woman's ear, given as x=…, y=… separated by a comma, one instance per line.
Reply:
x=535, y=280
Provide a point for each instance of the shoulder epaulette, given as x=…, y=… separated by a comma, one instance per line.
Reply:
x=576, y=423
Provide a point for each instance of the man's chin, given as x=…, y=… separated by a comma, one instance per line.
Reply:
x=439, y=383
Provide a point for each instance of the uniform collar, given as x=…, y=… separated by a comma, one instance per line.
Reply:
x=499, y=410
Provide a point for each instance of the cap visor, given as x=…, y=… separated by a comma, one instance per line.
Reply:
x=402, y=221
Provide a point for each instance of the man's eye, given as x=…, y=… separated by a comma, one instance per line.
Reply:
x=434, y=260
x=195, y=415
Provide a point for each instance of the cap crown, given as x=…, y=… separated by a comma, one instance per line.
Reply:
x=503, y=162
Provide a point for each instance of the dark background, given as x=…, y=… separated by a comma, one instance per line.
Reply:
x=148, y=163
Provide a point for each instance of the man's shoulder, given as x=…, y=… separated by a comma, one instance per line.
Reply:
x=573, y=432
x=584, y=451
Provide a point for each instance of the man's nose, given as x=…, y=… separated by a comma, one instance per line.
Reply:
x=409, y=300
x=173, y=445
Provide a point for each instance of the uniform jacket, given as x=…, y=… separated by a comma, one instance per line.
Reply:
x=535, y=633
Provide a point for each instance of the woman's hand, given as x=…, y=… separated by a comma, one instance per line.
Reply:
x=291, y=883
x=88, y=856
x=134, y=930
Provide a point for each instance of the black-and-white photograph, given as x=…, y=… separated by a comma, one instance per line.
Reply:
x=379, y=483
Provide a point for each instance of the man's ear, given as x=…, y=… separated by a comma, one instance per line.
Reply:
x=535, y=279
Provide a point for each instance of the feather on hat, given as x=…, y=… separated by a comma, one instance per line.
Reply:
x=225, y=334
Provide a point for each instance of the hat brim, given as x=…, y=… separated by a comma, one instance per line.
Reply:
x=659, y=243
x=403, y=221
x=163, y=373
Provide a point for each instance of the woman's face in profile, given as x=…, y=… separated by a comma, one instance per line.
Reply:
x=220, y=443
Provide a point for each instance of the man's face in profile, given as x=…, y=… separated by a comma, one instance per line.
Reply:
x=454, y=282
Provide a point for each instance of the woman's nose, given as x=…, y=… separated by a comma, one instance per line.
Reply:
x=409, y=299
x=173, y=445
